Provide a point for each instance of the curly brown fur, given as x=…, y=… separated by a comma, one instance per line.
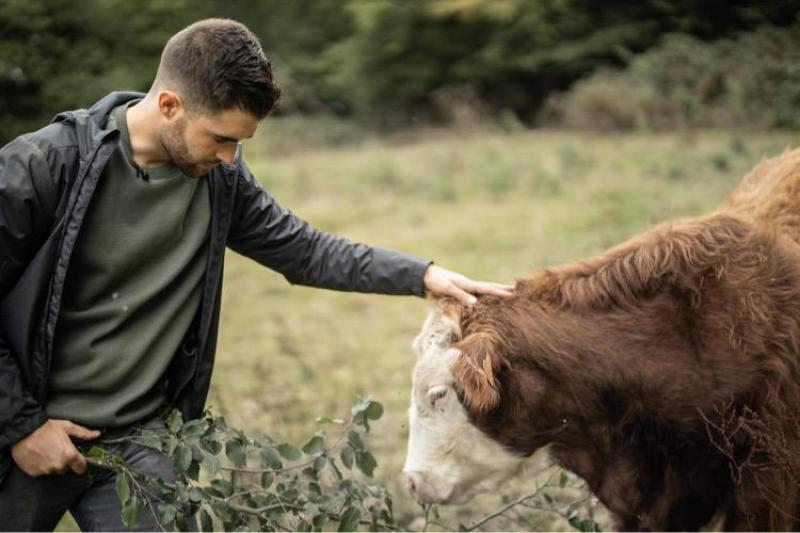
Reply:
x=665, y=372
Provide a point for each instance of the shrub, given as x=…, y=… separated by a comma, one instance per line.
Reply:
x=255, y=483
x=751, y=82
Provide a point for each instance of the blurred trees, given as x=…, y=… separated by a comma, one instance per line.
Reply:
x=62, y=54
x=390, y=60
x=751, y=81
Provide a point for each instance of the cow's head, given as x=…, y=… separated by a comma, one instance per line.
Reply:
x=449, y=460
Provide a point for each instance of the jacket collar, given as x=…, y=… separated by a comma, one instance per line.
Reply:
x=90, y=123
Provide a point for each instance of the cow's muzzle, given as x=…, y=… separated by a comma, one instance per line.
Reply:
x=421, y=489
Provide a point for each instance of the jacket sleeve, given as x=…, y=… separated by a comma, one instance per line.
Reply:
x=27, y=203
x=270, y=234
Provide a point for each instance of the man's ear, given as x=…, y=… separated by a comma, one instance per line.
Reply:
x=475, y=370
x=169, y=104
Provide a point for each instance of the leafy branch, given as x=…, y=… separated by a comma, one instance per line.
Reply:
x=227, y=477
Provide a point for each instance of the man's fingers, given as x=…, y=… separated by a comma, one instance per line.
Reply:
x=486, y=288
x=493, y=289
x=461, y=295
x=77, y=462
x=76, y=430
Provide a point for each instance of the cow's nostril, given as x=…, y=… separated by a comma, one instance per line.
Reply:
x=410, y=483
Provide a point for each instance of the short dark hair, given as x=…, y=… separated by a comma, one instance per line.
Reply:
x=218, y=64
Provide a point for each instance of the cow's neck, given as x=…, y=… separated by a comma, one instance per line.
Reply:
x=580, y=381
x=574, y=376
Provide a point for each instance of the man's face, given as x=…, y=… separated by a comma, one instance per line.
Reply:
x=198, y=142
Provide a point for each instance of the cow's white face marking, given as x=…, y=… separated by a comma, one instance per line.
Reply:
x=448, y=459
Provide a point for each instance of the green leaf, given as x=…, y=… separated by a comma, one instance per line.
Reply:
x=193, y=472
x=350, y=519
x=172, y=443
x=123, y=487
x=238, y=480
x=270, y=458
x=320, y=462
x=131, y=512
x=366, y=462
x=181, y=523
x=211, y=445
x=319, y=521
x=374, y=410
x=361, y=405
x=290, y=452
x=96, y=452
x=174, y=421
x=336, y=469
x=167, y=513
x=355, y=441
x=211, y=463
x=182, y=458
x=234, y=451
x=360, y=419
x=329, y=420
x=266, y=480
x=221, y=424
x=150, y=439
x=224, y=487
x=193, y=428
x=315, y=445
x=205, y=521
x=347, y=457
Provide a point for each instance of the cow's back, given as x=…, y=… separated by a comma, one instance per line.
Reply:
x=769, y=195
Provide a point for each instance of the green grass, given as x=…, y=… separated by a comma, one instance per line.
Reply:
x=490, y=205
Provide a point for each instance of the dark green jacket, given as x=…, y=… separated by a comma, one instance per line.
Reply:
x=47, y=179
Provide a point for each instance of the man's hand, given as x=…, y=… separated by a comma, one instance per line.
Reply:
x=48, y=450
x=440, y=283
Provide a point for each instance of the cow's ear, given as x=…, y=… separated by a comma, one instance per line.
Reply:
x=452, y=312
x=475, y=371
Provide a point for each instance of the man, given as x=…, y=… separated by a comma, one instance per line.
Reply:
x=113, y=225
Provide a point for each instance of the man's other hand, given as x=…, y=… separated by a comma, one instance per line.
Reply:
x=440, y=283
x=49, y=450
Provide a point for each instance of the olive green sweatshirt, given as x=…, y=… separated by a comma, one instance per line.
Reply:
x=132, y=288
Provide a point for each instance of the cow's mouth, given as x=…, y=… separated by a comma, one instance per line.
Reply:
x=420, y=487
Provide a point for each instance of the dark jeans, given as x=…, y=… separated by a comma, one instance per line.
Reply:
x=38, y=503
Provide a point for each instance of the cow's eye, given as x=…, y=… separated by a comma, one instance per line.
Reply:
x=436, y=393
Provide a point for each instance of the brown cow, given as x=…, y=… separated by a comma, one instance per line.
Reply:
x=665, y=372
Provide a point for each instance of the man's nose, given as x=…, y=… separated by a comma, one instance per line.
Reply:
x=227, y=154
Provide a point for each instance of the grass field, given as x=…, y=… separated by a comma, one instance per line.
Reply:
x=490, y=205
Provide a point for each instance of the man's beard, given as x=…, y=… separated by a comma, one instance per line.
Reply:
x=173, y=141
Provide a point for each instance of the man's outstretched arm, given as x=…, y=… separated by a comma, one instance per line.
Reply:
x=270, y=234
